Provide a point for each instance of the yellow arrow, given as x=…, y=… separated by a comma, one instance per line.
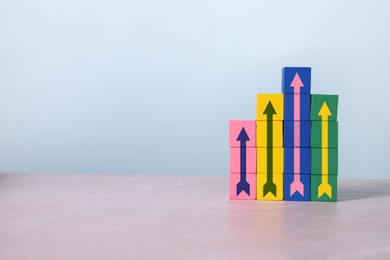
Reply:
x=324, y=186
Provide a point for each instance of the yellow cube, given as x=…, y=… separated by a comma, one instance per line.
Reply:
x=269, y=107
x=271, y=190
x=277, y=158
x=261, y=133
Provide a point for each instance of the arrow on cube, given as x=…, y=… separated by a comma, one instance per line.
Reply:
x=243, y=185
x=269, y=186
x=297, y=185
x=324, y=187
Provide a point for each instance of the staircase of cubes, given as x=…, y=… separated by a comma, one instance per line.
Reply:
x=290, y=152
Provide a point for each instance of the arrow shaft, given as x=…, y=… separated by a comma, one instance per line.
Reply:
x=325, y=136
x=269, y=148
x=324, y=178
x=324, y=152
x=297, y=144
x=243, y=161
x=297, y=106
x=297, y=118
x=297, y=133
x=297, y=163
x=325, y=160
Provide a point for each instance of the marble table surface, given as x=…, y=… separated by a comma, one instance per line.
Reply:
x=74, y=216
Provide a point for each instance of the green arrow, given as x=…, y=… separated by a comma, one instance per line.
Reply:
x=269, y=186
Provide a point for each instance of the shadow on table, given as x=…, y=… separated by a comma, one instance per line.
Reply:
x=363, y=190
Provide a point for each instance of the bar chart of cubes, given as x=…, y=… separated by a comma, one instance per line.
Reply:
x=290, y=152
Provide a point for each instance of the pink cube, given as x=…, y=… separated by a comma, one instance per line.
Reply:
x=235, y=129
x=235, y=160
x=244, y=187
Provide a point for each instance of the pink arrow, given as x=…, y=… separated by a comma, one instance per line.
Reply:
x=297, y=185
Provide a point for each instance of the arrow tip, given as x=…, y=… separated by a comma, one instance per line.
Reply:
x=269, y=110
x=243, y=136
x=324, y=111
x=297, y=82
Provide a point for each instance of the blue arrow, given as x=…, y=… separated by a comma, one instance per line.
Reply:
x=243, y=185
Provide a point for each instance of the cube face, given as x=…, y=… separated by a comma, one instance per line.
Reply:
x=331, y=158
x=262, y=133
x=324, y=188
x=235, y=185
x=319, y=103
x=297, y=187
x=235, y=128
x=263, y=101
x=329, y=141
x=277, y=160
x=297, y=160
x=297, y=133
x=290, y=78
x=235, y=160
x=297, y=107
x=263, y=193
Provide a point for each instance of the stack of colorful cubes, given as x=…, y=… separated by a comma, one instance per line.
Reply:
x=290, y=151
x=324, y=147
x=296, y=89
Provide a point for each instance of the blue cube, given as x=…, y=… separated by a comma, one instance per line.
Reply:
x=304, y=160
x=291, y=138
x=293, y=190
x=296, y=79
x=304, y=107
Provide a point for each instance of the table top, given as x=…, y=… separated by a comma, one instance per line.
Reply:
x=75, y=216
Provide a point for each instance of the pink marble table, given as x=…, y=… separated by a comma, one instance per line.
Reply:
x=73, y=216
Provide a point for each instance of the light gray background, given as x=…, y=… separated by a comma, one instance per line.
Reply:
x=148, y=87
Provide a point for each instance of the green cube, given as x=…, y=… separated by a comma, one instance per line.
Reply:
x=324, y=107
x=322, y=190
x=316, y=134
x=316, y=160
